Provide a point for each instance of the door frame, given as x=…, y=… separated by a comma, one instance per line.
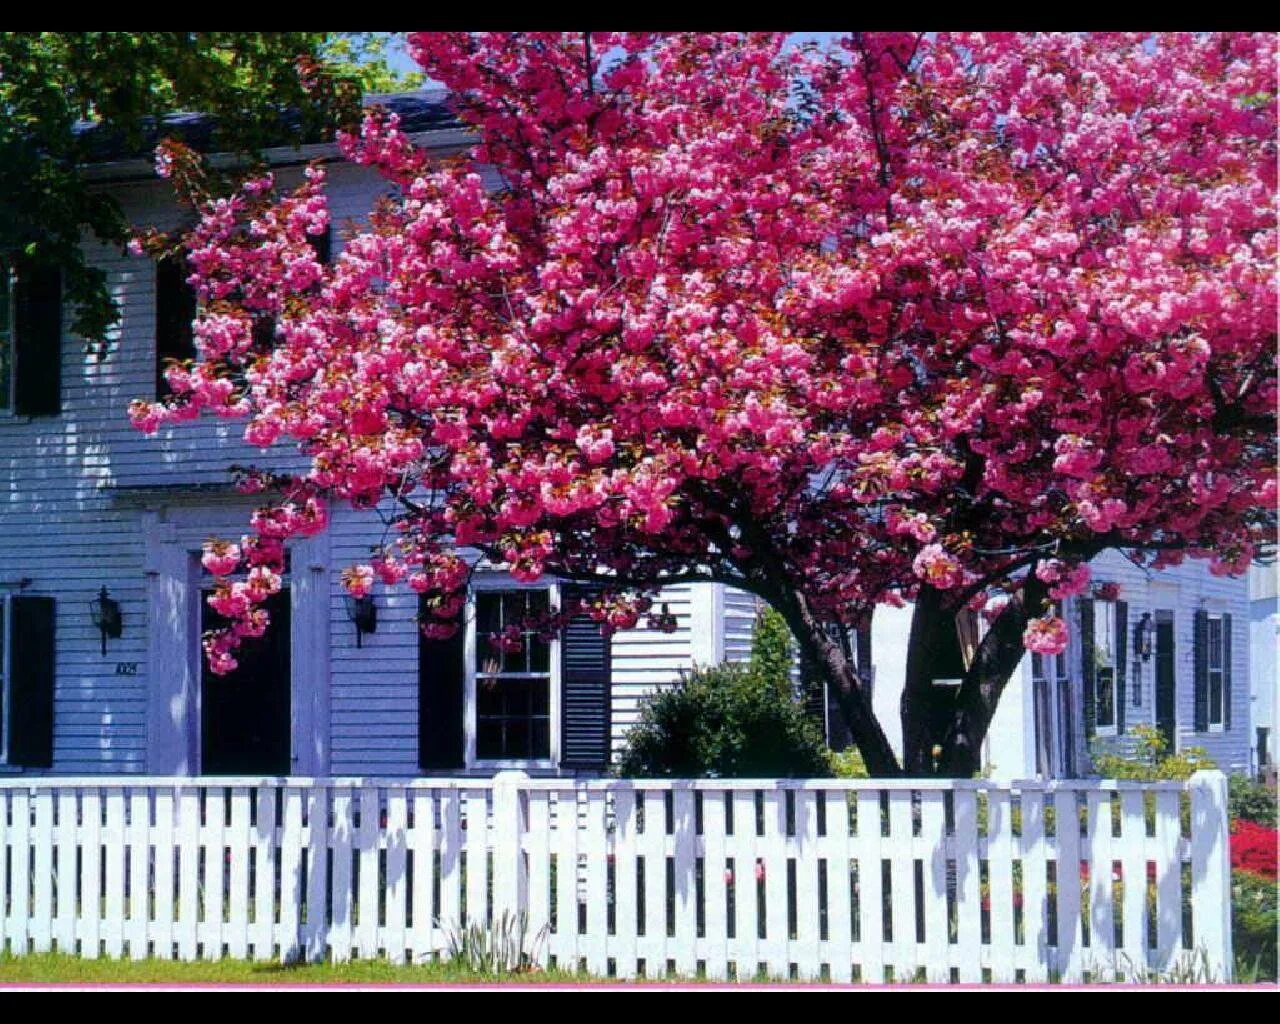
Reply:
x=173, y=538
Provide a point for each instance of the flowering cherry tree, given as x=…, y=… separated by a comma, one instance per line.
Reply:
x=906, y=318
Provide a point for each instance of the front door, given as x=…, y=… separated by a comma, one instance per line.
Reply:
x=245, y=714
x=1166, y=689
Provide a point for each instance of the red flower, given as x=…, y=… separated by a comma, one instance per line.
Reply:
x=1253, y=849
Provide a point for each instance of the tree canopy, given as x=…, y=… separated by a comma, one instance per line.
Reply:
x=261, y=88
x=930, y=318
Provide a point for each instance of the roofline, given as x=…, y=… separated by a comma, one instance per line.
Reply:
x=443, y=142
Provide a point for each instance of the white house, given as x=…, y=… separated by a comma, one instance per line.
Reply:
x=101, y=593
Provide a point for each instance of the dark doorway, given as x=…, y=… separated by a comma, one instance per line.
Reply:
x=1166, y=684
x=244, y=715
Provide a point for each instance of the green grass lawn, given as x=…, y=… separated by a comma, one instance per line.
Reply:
x=54, y=968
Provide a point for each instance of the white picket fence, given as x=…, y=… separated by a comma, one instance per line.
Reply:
x=841, y=880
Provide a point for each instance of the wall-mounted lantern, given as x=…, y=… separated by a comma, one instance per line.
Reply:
x=1144, y=637
x=106, y=617
x=364, y=613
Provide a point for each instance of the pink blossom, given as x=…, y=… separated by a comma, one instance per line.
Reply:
x=1045, y=636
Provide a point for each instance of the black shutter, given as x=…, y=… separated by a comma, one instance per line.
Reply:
x=1226, y=671
x=31, y=687
x=1201, y=648
x=38, y=340
x=584, y=689
x=175, y=310
x=1121, y=643
x=442, y=674
x=1088, y=665
x=322, y=245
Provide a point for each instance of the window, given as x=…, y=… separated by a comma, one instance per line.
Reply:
x=26, y=680
x=513, y=686
x=175, y=310
x=1106, y=645
x=1217, y=672
x=6, y=337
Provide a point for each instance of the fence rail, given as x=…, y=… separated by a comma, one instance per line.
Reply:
x=846, y=880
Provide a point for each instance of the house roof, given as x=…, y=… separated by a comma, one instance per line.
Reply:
x=421, y=111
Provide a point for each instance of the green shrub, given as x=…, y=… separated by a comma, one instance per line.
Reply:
x=847, y=764
x=1254, y=923
x=1251, y=801
x=771, y=647
x=1149, y=760
x=730, y=721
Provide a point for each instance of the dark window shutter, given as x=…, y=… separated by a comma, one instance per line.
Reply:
x=1121, y=643
x=322, y=244
x=584, y=690
x=442, y=675
x=1088, y=665
x=38, y=340
x=1201, y=647
x=175, y=310
x=1226, y=671
x=31, y=687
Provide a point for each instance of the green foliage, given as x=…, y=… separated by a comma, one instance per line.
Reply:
x=771, y=647
x=51, y=80
x=1149, y=760
x=1254, y=925
x=1251, y=801
x=505, y=946
x=847, y=764
x=366, y=57
x=730, y=721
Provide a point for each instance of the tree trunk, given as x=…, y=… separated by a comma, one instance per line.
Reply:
x=943, y=726
x=829, y=658
x=926, y=709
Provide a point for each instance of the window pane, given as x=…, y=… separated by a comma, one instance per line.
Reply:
x=1215, y=643
x=1037, y=666
x=488, y=623
x=1106, y=707
x=512, y=719
x=1215, y=698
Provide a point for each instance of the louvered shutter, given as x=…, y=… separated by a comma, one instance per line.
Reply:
x=1226, y=671
x=1088, y=666
x=38, y=341
x=175, y=311
x=1122, y=662
x=442, y=674
x=30, y=703
x=1200, y=639
x=584, y=690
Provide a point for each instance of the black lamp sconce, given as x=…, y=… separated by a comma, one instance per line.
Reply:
x=1144, y=637
x=364, y=613
x=106, y=617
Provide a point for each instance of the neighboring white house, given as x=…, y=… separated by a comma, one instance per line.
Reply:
x=93, y=509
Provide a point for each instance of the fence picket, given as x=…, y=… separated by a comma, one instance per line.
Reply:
x=188, y=843
x=341, y=841
x=839, y=893
x=367, y=848
x=64, y=925
x=868, y=853
x=809, y=911
x=1070, y=953
x=1000, y=874
x=968, y=901
x=90, y=929
x=393, y=938
x=1133, y=843
x=19, y=838
x=1035, y=949
x=139, y=873
x=238, y=897
x=42, y=865
x=684, y=843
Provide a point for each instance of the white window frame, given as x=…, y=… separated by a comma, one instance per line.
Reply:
x=8, y=341
x=1218, y=725
x=6, y=674
x=504, y=582
x=1105, y=625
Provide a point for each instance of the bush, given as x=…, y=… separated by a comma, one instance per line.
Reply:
x=1251, y=801
x=1149, y=760
x=730, y=721
x=847, y=764
x=1254, y=923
